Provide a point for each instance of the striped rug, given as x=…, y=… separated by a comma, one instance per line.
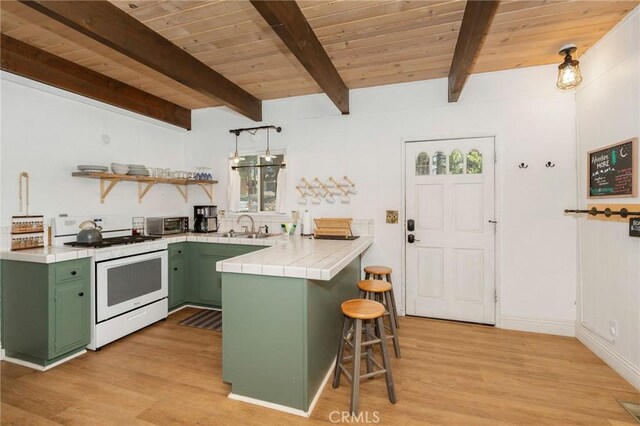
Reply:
x=206, y=318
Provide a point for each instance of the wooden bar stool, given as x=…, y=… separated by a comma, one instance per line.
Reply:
x=380, y=291
x=377, y=272
x=359, y=312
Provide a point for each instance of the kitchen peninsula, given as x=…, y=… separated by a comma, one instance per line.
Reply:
x=282, y=319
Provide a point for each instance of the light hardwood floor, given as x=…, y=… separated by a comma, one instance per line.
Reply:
x=449, y=374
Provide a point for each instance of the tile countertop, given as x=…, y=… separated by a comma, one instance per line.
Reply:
x=299, y=258
x=294, y=256
x=64, y=253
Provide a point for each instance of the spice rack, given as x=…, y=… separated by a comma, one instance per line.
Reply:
x=27, y=232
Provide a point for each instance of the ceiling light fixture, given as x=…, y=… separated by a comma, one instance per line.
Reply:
x=236, y=158
x=569, y=75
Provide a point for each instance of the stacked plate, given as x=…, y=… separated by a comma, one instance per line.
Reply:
x=138, y=170
x=92, y=168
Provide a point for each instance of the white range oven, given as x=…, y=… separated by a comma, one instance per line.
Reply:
x=129, y=280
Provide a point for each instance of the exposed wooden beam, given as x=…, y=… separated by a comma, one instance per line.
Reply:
x=290, y=24
x=106, y=23
x=28, y=61
x=475, y=24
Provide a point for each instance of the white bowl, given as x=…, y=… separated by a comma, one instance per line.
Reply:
x=119, y=169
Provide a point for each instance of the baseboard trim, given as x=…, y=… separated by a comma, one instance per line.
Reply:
x=547, y=326
x=605, y=352
x=40, y=367
x=284, y=408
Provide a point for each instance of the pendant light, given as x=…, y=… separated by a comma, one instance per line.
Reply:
x=569, y=75
x=236, y=158
x=267, y=154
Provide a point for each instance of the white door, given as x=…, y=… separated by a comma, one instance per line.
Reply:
x=450, y=267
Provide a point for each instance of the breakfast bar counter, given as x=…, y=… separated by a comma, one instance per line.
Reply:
x=282, y=320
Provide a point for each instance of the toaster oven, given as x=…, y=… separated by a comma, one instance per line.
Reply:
x=167, y=225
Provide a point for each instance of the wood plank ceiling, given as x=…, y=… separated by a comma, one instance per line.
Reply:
x=370, y=42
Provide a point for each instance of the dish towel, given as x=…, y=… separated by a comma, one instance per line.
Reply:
x=233, y=190
x=281, y=191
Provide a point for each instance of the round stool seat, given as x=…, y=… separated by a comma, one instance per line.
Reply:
x=362, y=309
x=377, y=270
x=374, y=286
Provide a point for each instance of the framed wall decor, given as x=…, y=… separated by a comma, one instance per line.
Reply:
x=612, y=171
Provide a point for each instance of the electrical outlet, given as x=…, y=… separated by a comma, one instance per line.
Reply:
x=392, y=216
x=106, y=140
x=613, y=329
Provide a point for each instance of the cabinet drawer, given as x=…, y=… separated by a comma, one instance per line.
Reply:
x=176, y=249
x=71, y=270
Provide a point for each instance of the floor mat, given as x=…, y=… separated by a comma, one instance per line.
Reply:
x=206, y=318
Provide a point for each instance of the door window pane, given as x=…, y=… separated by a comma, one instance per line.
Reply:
x=474, y=162
x=456, y=162
x=422, y=164
x=439, y=163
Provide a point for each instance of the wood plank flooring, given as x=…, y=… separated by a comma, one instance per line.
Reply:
x=450, y=373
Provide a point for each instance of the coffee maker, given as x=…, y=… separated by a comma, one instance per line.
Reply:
x=205, y=219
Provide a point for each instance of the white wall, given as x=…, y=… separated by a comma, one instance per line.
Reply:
x=532, y=122
x=47, y=132
x=608, y=111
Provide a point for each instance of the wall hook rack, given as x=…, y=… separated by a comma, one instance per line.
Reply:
x=550, y=164
x=593, y=211
x=523, y=166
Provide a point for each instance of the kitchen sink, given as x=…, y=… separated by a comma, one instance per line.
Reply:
x=253, y=236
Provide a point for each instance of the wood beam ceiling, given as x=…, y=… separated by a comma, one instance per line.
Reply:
x=30, y=62
x=475, y=25
x=107, y=24
x=289, y=23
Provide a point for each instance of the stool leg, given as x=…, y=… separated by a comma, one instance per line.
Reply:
x=370, y=336
x=393, y=301
x=392, y=320
x=366, y=275
x=340, y=356
x=357, y=353
x=362, y=294
x=385, y=362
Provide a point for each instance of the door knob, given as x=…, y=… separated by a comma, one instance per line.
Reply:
x=81, y=294
x=411, y=238
x=493, y=221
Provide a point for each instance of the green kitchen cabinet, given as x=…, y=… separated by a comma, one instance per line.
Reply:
x=45, y=309
x=204, y=283
x=177, y=295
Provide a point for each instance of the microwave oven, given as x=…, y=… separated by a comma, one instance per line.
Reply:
x=167, y=225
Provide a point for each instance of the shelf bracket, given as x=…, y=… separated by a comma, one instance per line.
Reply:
x=143, y=191
x=183, y=189
x=104, y=191
x=208, y=189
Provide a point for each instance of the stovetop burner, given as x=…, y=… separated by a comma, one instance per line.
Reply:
x=115, y=241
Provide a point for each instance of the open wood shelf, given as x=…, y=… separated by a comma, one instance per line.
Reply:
x=145, y=183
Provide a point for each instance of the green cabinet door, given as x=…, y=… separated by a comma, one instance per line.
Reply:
x=203, y=282
x=208, y=281
x=72, y=314
x=177, y=294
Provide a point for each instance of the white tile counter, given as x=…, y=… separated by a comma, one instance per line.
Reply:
x=298, y=257
x=294, y=256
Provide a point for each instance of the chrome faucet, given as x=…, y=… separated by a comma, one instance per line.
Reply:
x=253, y=226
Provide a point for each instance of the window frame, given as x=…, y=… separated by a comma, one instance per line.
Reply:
x=258, y=153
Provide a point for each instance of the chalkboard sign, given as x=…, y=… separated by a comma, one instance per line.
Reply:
x=634, y=227
x=613, y=170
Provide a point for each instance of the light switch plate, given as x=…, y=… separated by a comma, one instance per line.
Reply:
x=392, y=216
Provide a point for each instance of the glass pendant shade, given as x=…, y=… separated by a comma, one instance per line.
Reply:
x=569, y=75
x=267, y=154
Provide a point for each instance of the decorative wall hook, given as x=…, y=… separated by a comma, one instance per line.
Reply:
x=550, y=164
x=523, y=166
